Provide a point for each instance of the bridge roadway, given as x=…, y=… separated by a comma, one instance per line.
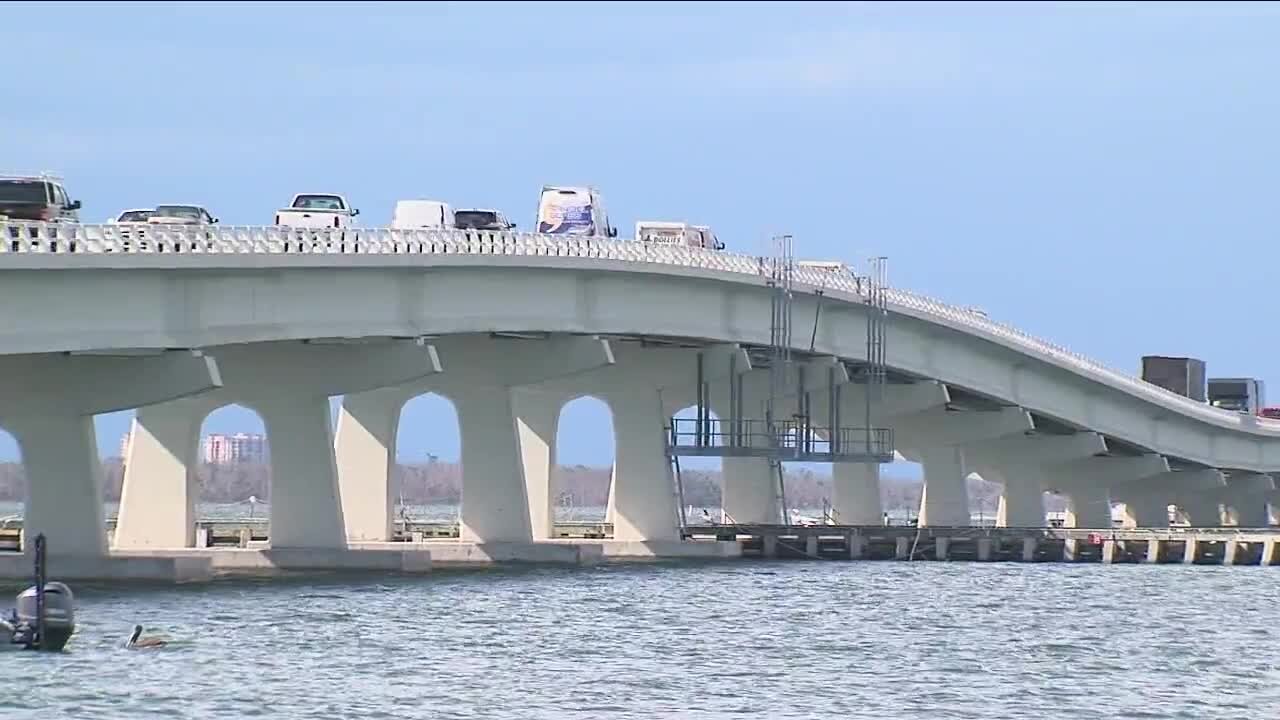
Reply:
x=510, y=327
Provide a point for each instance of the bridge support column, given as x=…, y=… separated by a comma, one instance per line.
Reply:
x=306, y=511
x=64, y=484
x=1245, y=496
x=1251, y=513
x=495, y=502
x=855, y=493
x=1146, y=511
x=749, y=491
x=944, y=500
x=160, y=488
x=644, y=495
x=1088, y=507
x=365, y=452
x=1021, y=501
x=1201, y=511
x=537, y=421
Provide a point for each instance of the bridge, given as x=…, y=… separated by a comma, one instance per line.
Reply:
x=510, y=327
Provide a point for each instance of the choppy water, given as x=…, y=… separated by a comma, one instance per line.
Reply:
x=742, y=639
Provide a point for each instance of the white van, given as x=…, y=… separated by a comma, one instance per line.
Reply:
x=419, y=214
x=677, y=233
x=573, y=211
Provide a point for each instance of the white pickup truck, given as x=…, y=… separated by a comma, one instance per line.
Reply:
x=317, y=210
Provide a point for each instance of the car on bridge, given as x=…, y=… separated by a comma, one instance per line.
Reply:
x=132, y=222
x=132, y=216
x=181, y=215
x=481, y=219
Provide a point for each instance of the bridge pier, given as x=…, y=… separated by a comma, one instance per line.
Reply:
x=1088, y=507
x=537, y=422
x=749, y=491
x=1251, y=513
x=855, y=493
x=1021, y=501
x=64, y=483
x=1145, y=510
x=644, y=497
x=1200, y=510
x=158, y=497
x=306, y=511
x=944, y=500
x=365, y=453
x=1245, y=496
x=495, y=501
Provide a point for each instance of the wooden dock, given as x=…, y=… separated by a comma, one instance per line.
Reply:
x=1200, y=546
x=1173, y=545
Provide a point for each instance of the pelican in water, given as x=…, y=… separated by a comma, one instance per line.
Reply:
x=137, y=641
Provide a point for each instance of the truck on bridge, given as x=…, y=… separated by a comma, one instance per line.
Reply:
x=37, y=198
x=422, y=214
x=677, y=233
x=1245, y=395
x=573, y=211
x=317, y=210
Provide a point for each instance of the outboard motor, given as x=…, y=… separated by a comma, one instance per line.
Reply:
x=45, y=616
x=59, y=617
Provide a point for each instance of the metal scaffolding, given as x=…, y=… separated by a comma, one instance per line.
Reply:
x=783, y=435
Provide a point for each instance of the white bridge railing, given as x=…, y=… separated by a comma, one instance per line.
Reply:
x=27, y=238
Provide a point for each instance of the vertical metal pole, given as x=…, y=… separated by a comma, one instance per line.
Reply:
x=681, y=517
x=700, y=439
x=733, y=402
x=736, y=381
x=801, y=434
x=833, y=397
x=40, y=580
x=835, y=419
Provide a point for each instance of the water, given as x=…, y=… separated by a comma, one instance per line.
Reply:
x=740, y=639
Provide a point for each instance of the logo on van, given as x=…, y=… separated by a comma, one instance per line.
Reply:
x=564, y=214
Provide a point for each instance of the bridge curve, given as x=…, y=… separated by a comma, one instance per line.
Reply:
x=229, y=285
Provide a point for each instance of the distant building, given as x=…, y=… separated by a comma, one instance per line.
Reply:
x=124, y=444
x=221, y=449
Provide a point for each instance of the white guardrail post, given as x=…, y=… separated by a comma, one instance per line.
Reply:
x=26, y=238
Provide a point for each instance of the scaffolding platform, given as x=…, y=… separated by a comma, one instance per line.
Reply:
x=785, y=441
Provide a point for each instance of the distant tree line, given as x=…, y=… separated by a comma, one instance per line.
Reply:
x=576, y=486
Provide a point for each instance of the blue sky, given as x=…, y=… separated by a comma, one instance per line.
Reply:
x=1101, y=175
